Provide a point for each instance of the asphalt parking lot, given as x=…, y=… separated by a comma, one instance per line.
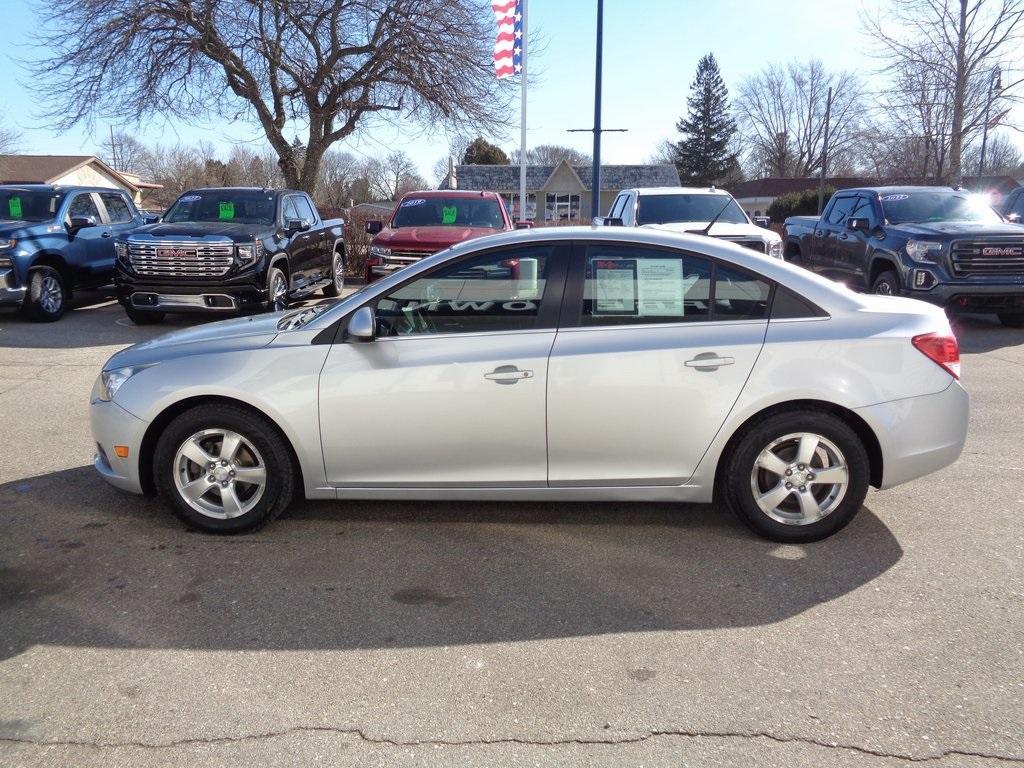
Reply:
x=473, y=634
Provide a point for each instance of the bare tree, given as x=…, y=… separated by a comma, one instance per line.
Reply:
x=343, y=178
x=121, y=151
x=551, y=154
x=781, y=116
x=1002, y=157
x=394, y=175
x=958, y=44
x=323, y=66
x=10, y=140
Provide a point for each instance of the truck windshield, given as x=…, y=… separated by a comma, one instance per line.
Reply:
x=448, y=212
x=930, y=205
x=685, y=208
x=225, y=205
x=28, y=205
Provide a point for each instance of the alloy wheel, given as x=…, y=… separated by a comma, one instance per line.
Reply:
x=799, y=479
x=219, y=473
x=51, y=294
x=279, y=292
x=339, y=272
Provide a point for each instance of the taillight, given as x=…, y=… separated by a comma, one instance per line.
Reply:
x=942, y=350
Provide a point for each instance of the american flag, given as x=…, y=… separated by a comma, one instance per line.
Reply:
x=509, y=45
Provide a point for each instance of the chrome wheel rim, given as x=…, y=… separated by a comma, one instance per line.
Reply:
x=219, y=474
x=51, y=295
x=279, y=291
x=799, y=479
x=339, y=272
x=883, y=289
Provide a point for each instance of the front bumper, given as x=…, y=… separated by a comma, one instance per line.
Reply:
x=113, y=425
x=986, y=294
x=10, y=292
x=206, y=296
x=919, y=435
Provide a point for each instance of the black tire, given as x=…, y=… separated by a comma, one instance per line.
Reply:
x=793, y=256
x=47, y=297
x=1011, y=319
x=280, y=473
x=737, y=483
x=279, y=303
x=886, y=284
x=143, y=316
x=337, y=285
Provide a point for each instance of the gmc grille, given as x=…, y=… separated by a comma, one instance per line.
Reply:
x=181, y=259
x=987, y=257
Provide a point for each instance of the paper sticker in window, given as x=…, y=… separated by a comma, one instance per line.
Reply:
x=614, y=287
x=659, y=287
x=226, y=210
x=14, y=208
x=448, y=214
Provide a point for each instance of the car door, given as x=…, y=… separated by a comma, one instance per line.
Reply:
x=121, y=218
x=452, y=391
x=321, y=251
x=90, y=252
x=303, y=244
x=852, y=244
x=656, y=347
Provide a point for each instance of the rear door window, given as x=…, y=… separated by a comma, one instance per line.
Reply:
x=117, y=208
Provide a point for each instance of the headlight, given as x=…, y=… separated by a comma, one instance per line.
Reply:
x=110, y=381
x=923, y=251
x=7, y=244
x=250, y=254
x=376, y=250
x=775, y=249
x=121, y=250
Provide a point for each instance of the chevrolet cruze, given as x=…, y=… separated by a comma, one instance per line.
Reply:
x=554, y=364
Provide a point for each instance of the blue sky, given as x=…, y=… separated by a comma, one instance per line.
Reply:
x=651, y=51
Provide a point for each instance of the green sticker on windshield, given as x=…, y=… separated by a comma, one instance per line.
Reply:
x=448, y=214
x=14, y=207
x=227, y=210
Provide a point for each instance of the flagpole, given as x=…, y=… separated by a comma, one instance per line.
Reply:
x=522, y=124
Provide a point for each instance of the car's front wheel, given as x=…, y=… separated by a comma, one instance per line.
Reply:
x=797, y=476
x=1012, y=319
x=886, y=284
x=223, y=469
x=47, y=295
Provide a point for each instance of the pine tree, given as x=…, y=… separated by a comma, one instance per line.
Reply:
x=704, y=156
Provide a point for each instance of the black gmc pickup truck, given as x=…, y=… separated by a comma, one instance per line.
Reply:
x=225, y=250
x=943, y=245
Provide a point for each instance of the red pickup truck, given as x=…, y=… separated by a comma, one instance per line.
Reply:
x=427, y=222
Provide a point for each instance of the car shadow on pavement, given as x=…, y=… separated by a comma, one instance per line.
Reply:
x=84, y=565
x=984, y=333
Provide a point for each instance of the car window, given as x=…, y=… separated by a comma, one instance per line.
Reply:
x=841, y=209
x=82, y=205
x=627, y=285
x=739, y=295
x=689, y=207
x=289, y=211
x=863, y=209
x=117, y=207
x=303, y=208
x=497, y=291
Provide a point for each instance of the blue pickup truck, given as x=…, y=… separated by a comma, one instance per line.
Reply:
x=55, y=239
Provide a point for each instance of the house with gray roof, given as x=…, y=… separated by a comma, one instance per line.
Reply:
x=558, y=192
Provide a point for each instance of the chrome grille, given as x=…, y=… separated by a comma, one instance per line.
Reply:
x=992, y=256
x=181, y=258
x=411, y=255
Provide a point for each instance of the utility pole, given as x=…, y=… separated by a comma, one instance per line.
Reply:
x=993, y=85
x=824, y=154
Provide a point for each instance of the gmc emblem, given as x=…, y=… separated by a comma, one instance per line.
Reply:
x=173, y=253
x=1001, y=251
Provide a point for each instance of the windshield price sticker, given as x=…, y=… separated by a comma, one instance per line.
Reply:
x=894, y=198
x=189, y=198
x=448, y=214
x=411, y=203
x=14, y=207
x=226, y=210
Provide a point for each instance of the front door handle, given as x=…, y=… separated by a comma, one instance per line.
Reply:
x=709, y=361
x=508, y=374
x=106, y=234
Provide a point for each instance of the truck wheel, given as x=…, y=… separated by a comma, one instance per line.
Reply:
x=1011, y=319
x=47, y=297
x=337, y=275
x=277, y=288
x=886, y=284
x=143, y=316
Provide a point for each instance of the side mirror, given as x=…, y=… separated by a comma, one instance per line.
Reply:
x=524, y=224
x=373, y=227
x=607, y=221
x=362, y=326
x=150, y=219
x=1013, y=218
x=81, y=222
x=858, y=224
x=296, y=225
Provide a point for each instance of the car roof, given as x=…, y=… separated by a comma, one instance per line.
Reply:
x=271, y=190
x=904, y=189
x=449, y=193
x=677, y=191
x=64, y=188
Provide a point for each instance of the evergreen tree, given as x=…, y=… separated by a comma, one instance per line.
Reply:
x=704, y=156
x=482, y=152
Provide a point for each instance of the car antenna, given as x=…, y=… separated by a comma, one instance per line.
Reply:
x=712, y=222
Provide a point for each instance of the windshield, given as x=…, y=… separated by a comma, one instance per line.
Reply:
x=28, y=205
x=448, y=212
x=225, y=205
x=931, y=205
x=678, y=209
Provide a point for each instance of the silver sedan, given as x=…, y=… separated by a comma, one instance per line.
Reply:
x=553, y=364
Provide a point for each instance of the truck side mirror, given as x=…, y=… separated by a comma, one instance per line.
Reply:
x=150, y=219
x=524, y=224
x=297, y=225
x=373, y=227
x=362, y=326
x=858, y=224
x=607, y=221
x=81, y=222
x=1013, y=218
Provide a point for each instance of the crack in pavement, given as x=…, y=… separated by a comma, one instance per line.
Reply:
x=637, y=739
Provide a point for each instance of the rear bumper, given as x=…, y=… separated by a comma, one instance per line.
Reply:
x=10, y=292
x=919, y=435
x=113, y=425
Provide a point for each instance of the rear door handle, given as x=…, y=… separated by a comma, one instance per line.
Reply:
x=106, y=234
x=508, y=374
x=709, y=361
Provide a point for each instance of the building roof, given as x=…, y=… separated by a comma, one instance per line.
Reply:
x=47, y=169
x=613, y=177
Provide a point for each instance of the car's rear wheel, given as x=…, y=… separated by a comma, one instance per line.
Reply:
x=223, y=469
x=337, y=275
x=1012, y=319
x=886, y=284
x=46, y=299
x=143, y=316
x=797, y=476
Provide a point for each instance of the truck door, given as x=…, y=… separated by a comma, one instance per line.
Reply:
x=120, y=219
x=303, y=243
x=852, y=244
x=90, y=251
